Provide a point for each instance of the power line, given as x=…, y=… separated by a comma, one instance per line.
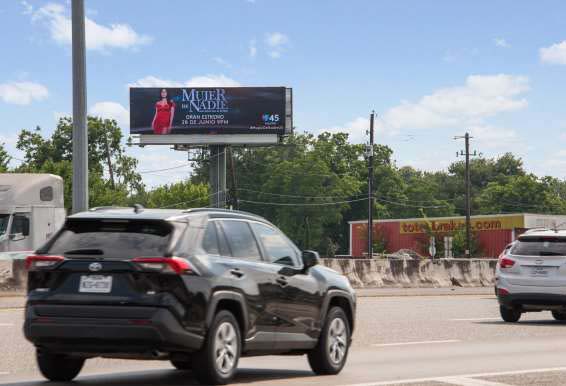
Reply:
x=302, y=204
x=163, y=170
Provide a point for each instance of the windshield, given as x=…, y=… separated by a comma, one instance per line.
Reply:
x=4, y=219
x=120, y=239
x=540, y=246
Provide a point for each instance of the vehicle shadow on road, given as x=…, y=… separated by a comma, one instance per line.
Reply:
x=169, y=378
x=524, y=323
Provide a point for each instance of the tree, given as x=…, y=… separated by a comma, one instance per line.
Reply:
x=112, y=174
x=182, y=194
x=4, y=159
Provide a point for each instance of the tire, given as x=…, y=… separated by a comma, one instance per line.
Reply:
x=182, y=365
x=510, y=315
x=58, y=367
x=330, y=354
x=223, y=338
x=561, y=316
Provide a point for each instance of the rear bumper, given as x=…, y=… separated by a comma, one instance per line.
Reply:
x=532, y=301
x=107, y=329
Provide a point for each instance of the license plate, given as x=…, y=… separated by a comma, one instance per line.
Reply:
x=540, y=271
x=97, y=284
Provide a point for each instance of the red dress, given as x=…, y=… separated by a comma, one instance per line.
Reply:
x=161, y=125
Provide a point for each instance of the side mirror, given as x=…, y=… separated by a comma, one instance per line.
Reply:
x=310, y=259
x=17, y=236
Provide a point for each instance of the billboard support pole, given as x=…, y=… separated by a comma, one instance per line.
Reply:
x=217, y=176
x=80, y=136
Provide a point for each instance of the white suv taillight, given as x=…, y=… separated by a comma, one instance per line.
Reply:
x=164, y=264
x=505, y=262
x=34, y=262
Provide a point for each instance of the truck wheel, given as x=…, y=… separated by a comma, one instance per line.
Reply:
x=510, y=315
x=182, y=365
x=561, y=316
x=58, y=367
x=331, y=351
x=217, y=361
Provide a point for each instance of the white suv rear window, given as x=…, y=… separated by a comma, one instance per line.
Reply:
x=540, y=246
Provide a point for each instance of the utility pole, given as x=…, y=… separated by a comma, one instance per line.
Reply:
x=217, y=176
x=468, y=191
x=80, y=133
x=370, y=187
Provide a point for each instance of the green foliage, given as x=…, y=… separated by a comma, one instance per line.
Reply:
x=4, y=159
x=182, y=194
x=112, y=174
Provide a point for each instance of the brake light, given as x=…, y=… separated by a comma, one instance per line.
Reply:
x=164, y=264
x=38, y=261
x=506, y=262
x=502, y=292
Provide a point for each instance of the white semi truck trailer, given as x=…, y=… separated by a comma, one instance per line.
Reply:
x=31, y=210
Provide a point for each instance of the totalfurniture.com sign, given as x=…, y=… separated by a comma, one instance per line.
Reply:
x=451, y=225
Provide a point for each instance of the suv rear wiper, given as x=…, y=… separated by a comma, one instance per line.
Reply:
x=549, y=253
x=84, y=251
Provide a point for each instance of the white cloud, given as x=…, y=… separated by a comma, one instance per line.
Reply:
x=197, y=81
x=252, y=48
x=22, y=93
x=111, y=110
x=500, y=42
x=28, y=8
x=467, y=106
x=356, y=130
x=98, y=37
x=481, y=96
x=277, y=43
x=495, y=137
x=554, y=54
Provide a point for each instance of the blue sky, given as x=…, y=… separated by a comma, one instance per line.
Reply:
x=430, y=70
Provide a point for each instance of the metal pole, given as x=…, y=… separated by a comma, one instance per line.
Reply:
x=80, y=133
x=370, y=187
x=234, y=186
x=468, y=200
x=217, y=176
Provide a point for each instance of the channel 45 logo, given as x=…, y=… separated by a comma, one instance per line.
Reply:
x=270, y=119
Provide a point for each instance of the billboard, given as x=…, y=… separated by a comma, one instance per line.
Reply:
x=210, y=110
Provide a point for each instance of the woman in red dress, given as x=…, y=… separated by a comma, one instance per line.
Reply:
x=164, y=113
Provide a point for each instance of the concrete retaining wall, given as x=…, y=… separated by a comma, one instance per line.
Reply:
x=361, y=272
x=416, y=273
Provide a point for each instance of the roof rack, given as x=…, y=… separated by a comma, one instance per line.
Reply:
x=107, y=207
x=196, y=210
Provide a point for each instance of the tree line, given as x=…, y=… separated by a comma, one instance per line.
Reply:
x=310, y=186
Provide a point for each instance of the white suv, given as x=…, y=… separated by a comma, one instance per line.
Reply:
x=531, y=275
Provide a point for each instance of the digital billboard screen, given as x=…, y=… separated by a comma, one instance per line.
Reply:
x=210, y=110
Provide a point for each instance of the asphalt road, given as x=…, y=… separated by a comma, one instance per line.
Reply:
x=408, y=340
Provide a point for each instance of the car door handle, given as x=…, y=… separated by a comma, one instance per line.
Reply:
x=237, y=272
x=282, y=281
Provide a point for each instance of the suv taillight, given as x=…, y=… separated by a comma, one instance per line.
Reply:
x=163, y=264
x=505, y=262
x=34, y=262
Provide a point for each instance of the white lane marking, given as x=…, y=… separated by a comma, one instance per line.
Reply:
x=462, y=381
x=472, y=319
x=6, y=324
x=415, y=343
x=439, y=378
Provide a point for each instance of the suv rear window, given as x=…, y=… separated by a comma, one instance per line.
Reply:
x=539, y=246
x=120, y=239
